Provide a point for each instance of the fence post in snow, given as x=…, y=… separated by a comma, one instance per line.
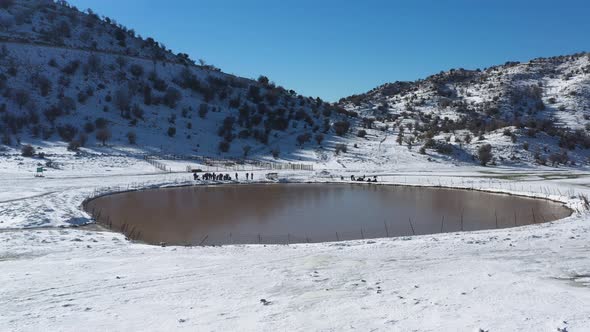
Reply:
x=514, y=218
x=412, y=226
x=496, y=215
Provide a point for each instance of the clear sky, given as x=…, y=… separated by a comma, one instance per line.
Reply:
x=335, y=48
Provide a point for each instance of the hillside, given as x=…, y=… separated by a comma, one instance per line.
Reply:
x=536, y=112
x=77, y=81
x=72, y=78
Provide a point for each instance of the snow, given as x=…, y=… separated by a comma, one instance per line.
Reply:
x=527, y=278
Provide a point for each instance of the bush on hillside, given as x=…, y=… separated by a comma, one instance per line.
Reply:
x=103, y=135
x=132, y=137
x=485, y=155
x=224, y=146
x=27, y=151
x=341, y=127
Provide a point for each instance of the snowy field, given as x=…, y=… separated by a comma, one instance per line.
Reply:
x=60, y=278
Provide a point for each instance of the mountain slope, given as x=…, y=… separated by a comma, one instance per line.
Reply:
x=534, y=112
x=69, y=76
x=73, y=79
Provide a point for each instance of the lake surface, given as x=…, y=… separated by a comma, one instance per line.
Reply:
x=297, y=213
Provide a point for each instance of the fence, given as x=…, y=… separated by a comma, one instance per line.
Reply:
x=159, y=165
x=226, y=164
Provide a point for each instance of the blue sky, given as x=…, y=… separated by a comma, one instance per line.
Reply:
x=333, y=49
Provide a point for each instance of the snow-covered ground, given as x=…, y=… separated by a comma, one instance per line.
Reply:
x=532, y=278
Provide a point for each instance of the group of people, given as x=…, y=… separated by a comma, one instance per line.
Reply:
x=220, y=177
x=361, y=178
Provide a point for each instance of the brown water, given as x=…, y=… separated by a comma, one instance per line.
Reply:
x=291, y=213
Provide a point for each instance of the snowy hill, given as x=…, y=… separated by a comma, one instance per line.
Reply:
x=536, y=112
x=72, y=79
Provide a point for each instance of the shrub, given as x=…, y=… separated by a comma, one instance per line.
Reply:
x=121, y=61
x=52, y=113
x=160, y=84
x=246, y=149
x=235, y=102
x=147, y=95
x=341, y=148
x=303, y=138
x=361, y=133
x=341, y=127
x=171, y=97
x=319, y=138
x=540, y=159
x=559, y=158
x=67, y=132
x=103, y=135
x=27, y=151
x=137, y=111
x=82, y=97
x=263, y=80
x=513, y=138
x=122, y=100
x=71, y=67
x=203, y=109
x=21, y=97
x=171, y=131
x=101, y=123
x=275, y=152
x=132, y=137
x=484, y=153
x=254, y=94
x=82, y=139
x=244, y=134
x=43, y=83
x=6, y=140
x=93, y=64
x=444, y=148
x=74, y=146
x=6, y=3
x=136, y=70
x=224, y=146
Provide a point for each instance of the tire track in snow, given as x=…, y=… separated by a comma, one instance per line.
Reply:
x=29, y=197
